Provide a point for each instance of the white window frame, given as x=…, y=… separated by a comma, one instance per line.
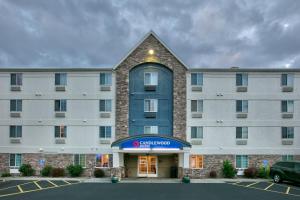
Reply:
x=244, y=133
x=102, y=155
x=199, y=108
x=60, y=79
x=196, y=155
x=17, y=128
x=242, y=156
x=153, y=105
x=79, y=159
x=105, y=105
x=289, y=80
x=105, y=128
x=62, y=131
x=289, y=129
x=153, y=129
x=199, y=83
x=19, y=79
x=60, y=105
x=17, y=102
x=15, y=161
x=198, y=128
x=244, y=108
x=153, y=79
x=289, y=106
x=287, y=157
x=244, y=77
x=107, y=81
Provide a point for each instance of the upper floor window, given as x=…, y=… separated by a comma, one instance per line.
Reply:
x=60, y=105
x=60, y=78
x=150, y=78
x=287, y=157
x=105, y=105
x=287, y=106
x=15, y=160
x=15, y=131
x=105, y=78
x=241, y=79
x=196, y=132
x=242, y=106
x=80, y=159
x=150, y=105
x=16, y=105
x=241, y=132
x=287, y=79
x=102, y=160
x=105, y=131
x=287, y=132
x=151, y=129
x=16, y=79
x=241, y=161
x=60, y=132
x=196, y=161
x=197, y=79
x=197, y=106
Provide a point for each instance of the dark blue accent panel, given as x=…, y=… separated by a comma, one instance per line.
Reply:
x=163, y=93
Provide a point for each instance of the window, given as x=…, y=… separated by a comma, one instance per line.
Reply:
x=287, y=132
x=105, y=131
x=242, y=106
x=80, y=159
x=241, y=132
x=61, y=105
x=197, y=106
x=105, y=105
x=16, y=105
x=241, y=161
x=60, y=132
x=150, y=105
x=150, y=78
x=102, y=160
x=15, y=131
x=287, y=106
x=105, y=78
x=196, y=161
x=197, y=79
x=241, y=79
x=151, y=129
x=15, y=160
x=196, y=132
x=287, y=80
x=60, y=79
x=16, y=79
x=287, y=157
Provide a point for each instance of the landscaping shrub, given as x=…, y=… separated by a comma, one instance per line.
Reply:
x=263, y=172
x=26, y=170
x=6, y=174
x=58, y=172
x=47, y=170
x=228, y=170
x=75, y=170
x=99, y=173
x=250, y=172
x=212, y=174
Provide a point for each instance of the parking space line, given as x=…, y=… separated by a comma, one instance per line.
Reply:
x=52, y=183
x=252, y=184
x=269, y=186
x=20, y=189
x=66, y=182
x=236, y=183
x=288, y=190
x=37, y=185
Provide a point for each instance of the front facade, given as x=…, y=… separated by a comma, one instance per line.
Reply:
x=150, y=116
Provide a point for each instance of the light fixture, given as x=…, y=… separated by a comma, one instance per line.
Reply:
x=151, y=51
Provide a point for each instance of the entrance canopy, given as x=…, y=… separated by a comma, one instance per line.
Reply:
x=151, y=142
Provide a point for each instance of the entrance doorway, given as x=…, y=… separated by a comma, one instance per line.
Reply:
x=147, y=166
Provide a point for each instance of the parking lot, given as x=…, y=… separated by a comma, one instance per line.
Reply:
x=59, y=189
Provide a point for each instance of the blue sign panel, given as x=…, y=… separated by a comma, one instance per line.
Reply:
x=152, y=143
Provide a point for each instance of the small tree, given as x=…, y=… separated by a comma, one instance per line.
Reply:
x=47, y=170
x=228, y=170
x=75, y=170
x=26, y=170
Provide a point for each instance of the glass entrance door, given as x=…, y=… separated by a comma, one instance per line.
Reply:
x=147, y=166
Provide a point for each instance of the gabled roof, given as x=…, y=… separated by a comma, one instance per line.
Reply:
x=150, y=33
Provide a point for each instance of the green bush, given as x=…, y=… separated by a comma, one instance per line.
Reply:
x=75, y=170
x=6, y=174
x=99, y=173
x=47, y=170
x=264, y=172
x=228, y=170
x=26, y=170
x=58, y=172
x=250, y=172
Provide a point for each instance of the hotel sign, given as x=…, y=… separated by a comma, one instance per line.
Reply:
x=151, y=143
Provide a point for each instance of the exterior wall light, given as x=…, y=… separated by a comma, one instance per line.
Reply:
x=151, y=51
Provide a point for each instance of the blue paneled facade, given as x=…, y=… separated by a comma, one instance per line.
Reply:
x=159, y=89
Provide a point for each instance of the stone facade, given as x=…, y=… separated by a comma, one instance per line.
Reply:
x=162, y=56
x=4, y=162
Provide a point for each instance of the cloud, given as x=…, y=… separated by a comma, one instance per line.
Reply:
x=224, y=33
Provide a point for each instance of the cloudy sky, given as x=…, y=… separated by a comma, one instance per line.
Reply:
x=76, y=33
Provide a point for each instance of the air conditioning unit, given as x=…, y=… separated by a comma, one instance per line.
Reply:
x=287, y=89
x=15, y=88
x=60, y=141
x=60, y=114
x=287, y=141
x=287, y=115
x=105, y=114
x=241, y=142
x=104, y=141
x=15, y=114
x=105, y=88
x=196, y=142
x=15, y=140
x=196, y=115
x=197, y=88
x=241, y=115
x=60, y=88
x=241, y=88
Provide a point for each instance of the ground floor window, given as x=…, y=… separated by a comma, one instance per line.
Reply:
x=287, y=157
x=241, y=161
x=80, y=159
x=15, y=160
x=196, y=161
x=102, y=160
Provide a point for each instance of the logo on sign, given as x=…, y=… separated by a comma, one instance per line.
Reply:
x=136, y=143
